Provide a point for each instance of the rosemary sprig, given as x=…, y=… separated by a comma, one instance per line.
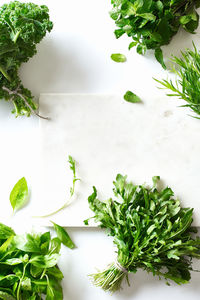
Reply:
x=187, y=82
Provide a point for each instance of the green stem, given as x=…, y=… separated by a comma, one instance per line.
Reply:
x=15, y=37
x=20, y=282
x=5, y=74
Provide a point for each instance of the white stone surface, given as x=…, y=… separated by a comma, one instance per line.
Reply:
x=107, y=136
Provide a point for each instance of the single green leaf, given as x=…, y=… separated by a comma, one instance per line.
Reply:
x=131, y=97
x=117, y=57
x=63, y=236
x=19, y=194
x=45, y=261
x=6, y=296
x=5, y=232
x=159, y=57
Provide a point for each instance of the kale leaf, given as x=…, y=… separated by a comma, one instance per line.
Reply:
x=22, y=27
x=151, y=232
x=152, y=24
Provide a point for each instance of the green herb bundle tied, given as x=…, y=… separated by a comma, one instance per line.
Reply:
x=152, y=24
x=151, y=231
x=187, y=84
x=28, y=266
x=22, y=26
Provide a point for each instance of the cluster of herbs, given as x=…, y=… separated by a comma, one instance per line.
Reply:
x=22, y=27
x=187, y=84
x=29, y=268
x=152, y=24
x=151, y=231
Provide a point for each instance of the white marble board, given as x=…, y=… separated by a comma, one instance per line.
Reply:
x=106, y=136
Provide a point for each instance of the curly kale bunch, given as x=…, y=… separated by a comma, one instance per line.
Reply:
x=152, y=23
x=22, y=27
x=151, y=231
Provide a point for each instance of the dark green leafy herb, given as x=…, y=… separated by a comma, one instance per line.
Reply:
x=63, y=236
x=19, y=194
x=72, y=165
x=117, y=57
x=131, y=97
x=152, y=24
x=151, y=231
x=187, y=84
x=29, y=266
x=22, y=27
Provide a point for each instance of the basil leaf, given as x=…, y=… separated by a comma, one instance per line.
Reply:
x=63, y=236
x=5, y=232
x=19, y=194
x=117, y=57
x=131, y=97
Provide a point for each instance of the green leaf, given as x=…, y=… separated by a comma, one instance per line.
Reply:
x=63, y=236
x=6, y=296
x=45, y=261
x=131, y=97
x=5, y=232
x=159, y=57
x=117, y=57
x=19, y=194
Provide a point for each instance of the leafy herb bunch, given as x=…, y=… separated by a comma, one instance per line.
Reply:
x=28, y=266
x=153, y=23
x=151, y=231
x=22, y=26
x=187, y=84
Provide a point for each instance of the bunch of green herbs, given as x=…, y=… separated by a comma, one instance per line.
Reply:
x=151, y=231
x=22, y=27
x=187, y=83
x=28, y=266
x=152, y=24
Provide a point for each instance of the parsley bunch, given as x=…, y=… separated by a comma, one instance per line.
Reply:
x=151, y=231
x=22, y=26
x=152, y=23
x=28, y=266
x=187, y=84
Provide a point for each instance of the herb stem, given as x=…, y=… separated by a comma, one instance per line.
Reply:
x=16, y=93
x=5, y=74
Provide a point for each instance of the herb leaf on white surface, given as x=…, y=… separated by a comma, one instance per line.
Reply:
x=150, y=230
x=187, y=84
x=72, y=164
x=22, y=27
x=19, y=194
x=131, y=97
x=152, y=24
x=63, y=236
x=118, y=57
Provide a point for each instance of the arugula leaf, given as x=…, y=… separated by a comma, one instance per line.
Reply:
x=152, y=24
x=19, y=194
x=131, y=97
x=117, y=57
x=151, y=231
x=186, y=85
x=72, y=165
x=63, y=236
x=22, y=27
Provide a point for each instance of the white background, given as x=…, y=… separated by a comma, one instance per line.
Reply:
x=75, y=58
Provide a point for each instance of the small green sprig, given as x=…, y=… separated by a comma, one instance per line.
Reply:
x=151, y=232
x=72, y=164
x=187, y=83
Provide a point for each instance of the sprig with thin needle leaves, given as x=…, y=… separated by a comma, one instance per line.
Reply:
x=187, y=84
x=72, y=164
